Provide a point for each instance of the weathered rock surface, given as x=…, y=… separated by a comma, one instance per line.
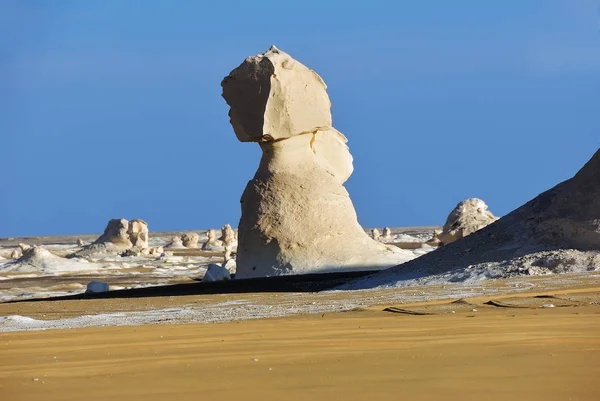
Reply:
x=297, y=217
x=467, y=217
x=556, y=232
x=190, y=240
x=229, y=240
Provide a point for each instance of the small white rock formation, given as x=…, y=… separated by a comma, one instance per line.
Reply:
x=16, y=254
x=190, y=240
x=467, y=217
x=80, y=242
x=96, y=286
x=24, y=247
x=297, y=217
x=556, y=232
x=229, y=240
x=138, y=233
x=387, y=235
x=38, y=259
x=119, y=236
x=212, y=243
x=154, y=251
x=175, y=243
x=375, y=234
x=216, y=272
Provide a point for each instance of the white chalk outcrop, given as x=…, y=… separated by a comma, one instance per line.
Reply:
x=190, y=240
x=229, y=240
x=119, y=236
x=467, y=217
x=556, y=232
x=175, y=243
x=212, y=243
x=38, y=259
x=297, y=217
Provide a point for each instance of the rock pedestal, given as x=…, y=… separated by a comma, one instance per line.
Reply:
x=297, y=217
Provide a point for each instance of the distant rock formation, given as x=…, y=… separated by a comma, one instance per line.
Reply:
x=229, y=240
x=15, y=254
x=212, y=243
x=138, y=233
x=80, y=242
x=556, y=232
x=375, y=234
x=297, y=217
x=467, y=217
x=175, y=243
x=119, y=236
x=190, y=240
x=387, y=235
x=38, y=259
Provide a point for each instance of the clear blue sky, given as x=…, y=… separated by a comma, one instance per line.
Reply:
x=113, y=108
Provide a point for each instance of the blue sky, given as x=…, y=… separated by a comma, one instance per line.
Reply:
x=113, y=108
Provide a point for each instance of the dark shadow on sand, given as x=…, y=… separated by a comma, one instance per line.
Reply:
x=296, y=283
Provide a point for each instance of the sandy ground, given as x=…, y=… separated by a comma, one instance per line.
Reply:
x=513, y=349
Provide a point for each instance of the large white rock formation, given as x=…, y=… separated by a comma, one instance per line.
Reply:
x=556, y=232
x=297, y=217
x=467, y=217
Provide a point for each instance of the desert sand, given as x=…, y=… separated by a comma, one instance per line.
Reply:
x=512, y=349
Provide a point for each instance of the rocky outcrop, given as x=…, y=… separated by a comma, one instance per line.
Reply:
x=375, y=234
x=467, y=217
x=38, y=259
x=556, y=232
x=216, y=272
x=119, y=236
x=229, y=240
x=138, y=233
x=297, y=217
x=190, y=240
x=175, y=243
x=212, y=243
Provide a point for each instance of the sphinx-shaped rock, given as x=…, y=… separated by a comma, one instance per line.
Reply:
x=467, y=217
x=190, y=240
x=212, y=243
x=297, y=217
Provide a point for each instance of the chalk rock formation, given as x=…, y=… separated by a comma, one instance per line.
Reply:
x=175, y=243
x=119, y=236
x=138, y=233
x=216, y=272
x=38, y=259
x=375, y=234
x=556, y=232
x=15, y=254
x=190, y=240
x=24, y=247
x=231, y=266
x=229, y=240
x=467, y=217
x=297, y=217
x=387, y=235
x=80, y=242
x=212, y=243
